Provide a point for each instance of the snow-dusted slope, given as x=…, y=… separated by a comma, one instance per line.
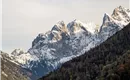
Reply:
x=22, y=58
x=63, y=42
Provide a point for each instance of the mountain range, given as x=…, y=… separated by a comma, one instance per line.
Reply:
x=108, y=61
x=66, y=41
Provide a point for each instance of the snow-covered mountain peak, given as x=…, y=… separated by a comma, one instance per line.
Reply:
x=60, y=26
x=106, y=18
x=52, y=36
x=107, y=21
x=78, y=26
x=74, y=26
x=60, y=31
x=17, y=52
x=120, y=9
x=121, y=15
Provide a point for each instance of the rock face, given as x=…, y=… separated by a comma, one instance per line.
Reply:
x=64, y=42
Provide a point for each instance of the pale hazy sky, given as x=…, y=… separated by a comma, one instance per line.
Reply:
x=23, y=20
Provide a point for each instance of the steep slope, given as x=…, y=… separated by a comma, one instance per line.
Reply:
x=64, y=42
x=11, y=70
x=108, y=61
